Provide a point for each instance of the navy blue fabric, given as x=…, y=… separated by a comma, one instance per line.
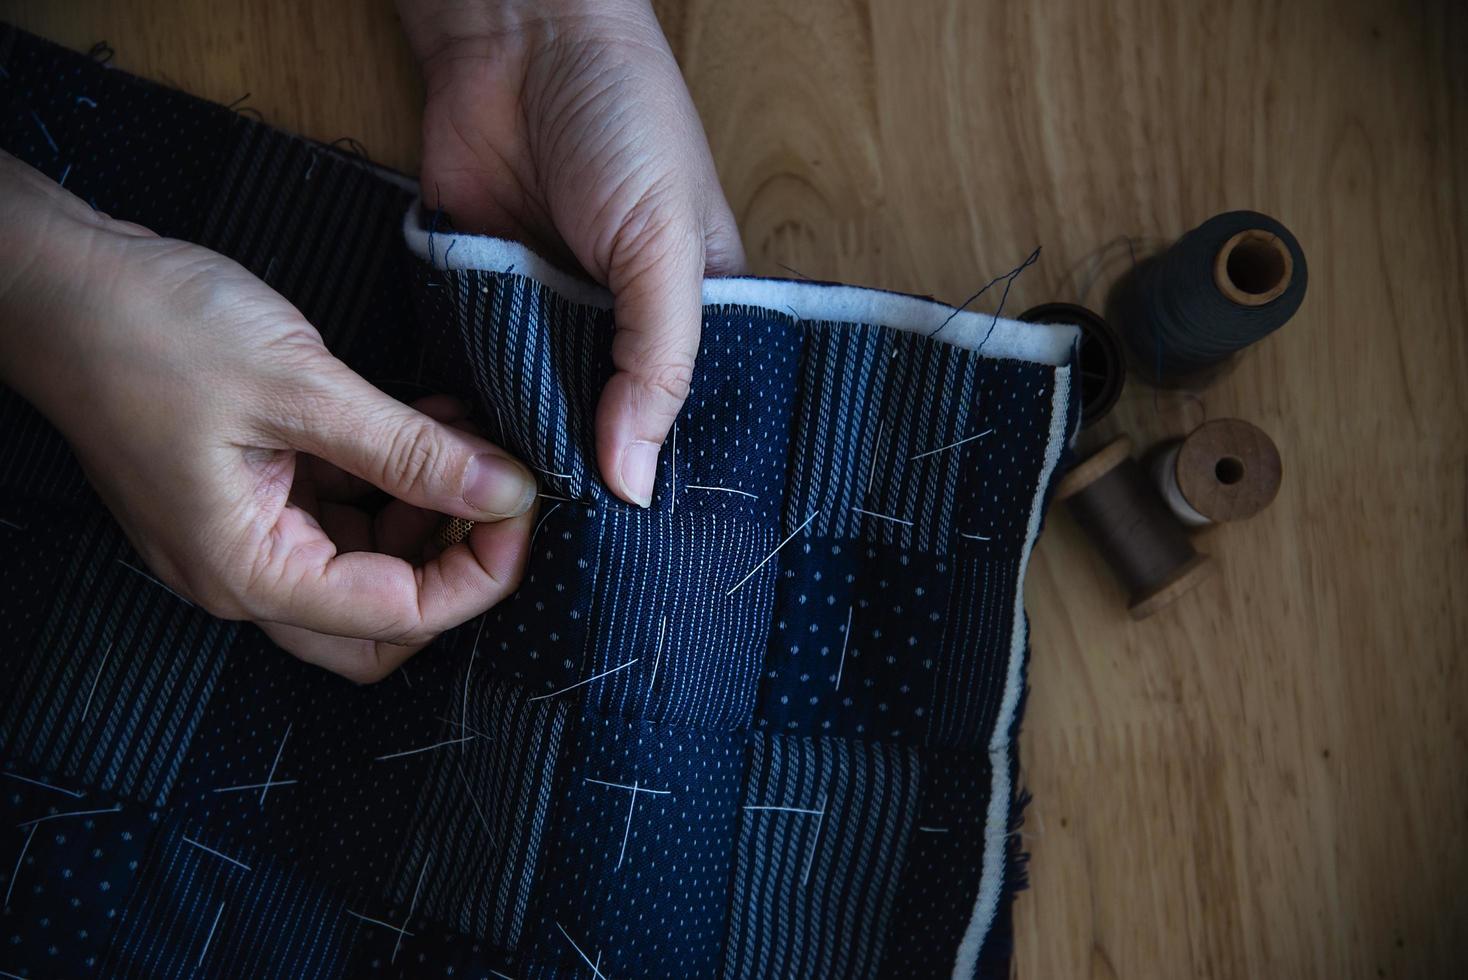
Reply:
x=754, y=730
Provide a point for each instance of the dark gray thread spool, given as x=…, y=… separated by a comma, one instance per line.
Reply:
x=1223, y=286
x=1101, y=365
x=1144, y=544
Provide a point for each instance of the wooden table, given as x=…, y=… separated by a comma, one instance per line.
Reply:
x=1268, y=779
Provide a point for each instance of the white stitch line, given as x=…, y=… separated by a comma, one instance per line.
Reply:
x=974, y=537
x=884, y=517
x=673, y=507
x=497, y=973
x=784, y=809
x=36, y=782
x=210, y=938
x=155, y=581
x=473, y=652
x=226, y=857
x=426, y=748
x=377, y=922
x=97, y=677
x=71, y=813
x=541, y=697
x=411, y=907
x=815, y=842
x=403, y=673
x=845, y=640
x=16, y=873
x=934, y=830
x=8, y=523
x=595, y=972
x=541, y=469
x=960, y=442
x=704, y=486
x=265, y=787
x=804, y=524
x=662, y=631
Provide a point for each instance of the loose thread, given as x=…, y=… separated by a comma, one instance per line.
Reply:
x=1008, y=280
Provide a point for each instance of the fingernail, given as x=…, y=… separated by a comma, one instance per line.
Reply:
x=639, y=469
x=498, y=486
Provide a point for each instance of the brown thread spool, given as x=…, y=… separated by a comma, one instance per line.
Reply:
x=1225, y=470
x=1147, y=549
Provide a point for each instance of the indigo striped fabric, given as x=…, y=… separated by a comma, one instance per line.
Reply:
x=763, y=728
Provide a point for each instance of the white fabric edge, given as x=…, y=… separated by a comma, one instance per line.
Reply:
x=996, y=824
x=1038, y=343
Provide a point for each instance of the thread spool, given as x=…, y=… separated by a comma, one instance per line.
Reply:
x=1223, y=286
x=1225, y=470
x=1101, y=363
x=1120, y=511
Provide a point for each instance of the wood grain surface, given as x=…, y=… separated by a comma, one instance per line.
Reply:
x=1269, y=779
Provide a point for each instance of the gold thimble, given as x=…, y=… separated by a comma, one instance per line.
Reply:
x=454, y=530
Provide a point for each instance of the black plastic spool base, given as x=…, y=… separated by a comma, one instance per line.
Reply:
x=1102, y=363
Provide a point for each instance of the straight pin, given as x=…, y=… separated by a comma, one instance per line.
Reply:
x=572, y=687
x=16, y=873
x=704, y=486
x=662, y=630
x=803, y=525
x=71, y=813
x=210, y=938
x=883, y=517
x=595, y=972
x=248, y=786
x=225, y=857
x=265, y=786
x=951, y=445
x=36, y=782
x=97, y=677
x=426, y=748
x=845, y=640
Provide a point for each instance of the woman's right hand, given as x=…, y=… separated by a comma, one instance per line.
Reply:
x=230, y=444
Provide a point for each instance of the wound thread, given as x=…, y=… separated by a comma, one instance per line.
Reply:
x=1147, y=549
x=1223, y=286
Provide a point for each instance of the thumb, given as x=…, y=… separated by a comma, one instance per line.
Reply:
x=352, y=424
x=657, y=284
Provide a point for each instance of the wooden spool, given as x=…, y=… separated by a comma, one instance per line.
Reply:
x=1147, y=549
x=1253, y=268
x=1225, y=470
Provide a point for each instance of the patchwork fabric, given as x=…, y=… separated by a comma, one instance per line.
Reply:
x=763, y=728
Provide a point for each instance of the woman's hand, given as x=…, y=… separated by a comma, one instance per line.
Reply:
x=565, y=124
x=230, y=444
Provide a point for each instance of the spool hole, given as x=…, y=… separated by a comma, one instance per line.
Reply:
x=1256, y=266
x=1229, y=470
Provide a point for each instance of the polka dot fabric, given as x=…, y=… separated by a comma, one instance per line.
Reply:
x=762, y=728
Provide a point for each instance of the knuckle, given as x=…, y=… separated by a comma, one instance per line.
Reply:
x=412, y=461
x=670, y=379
